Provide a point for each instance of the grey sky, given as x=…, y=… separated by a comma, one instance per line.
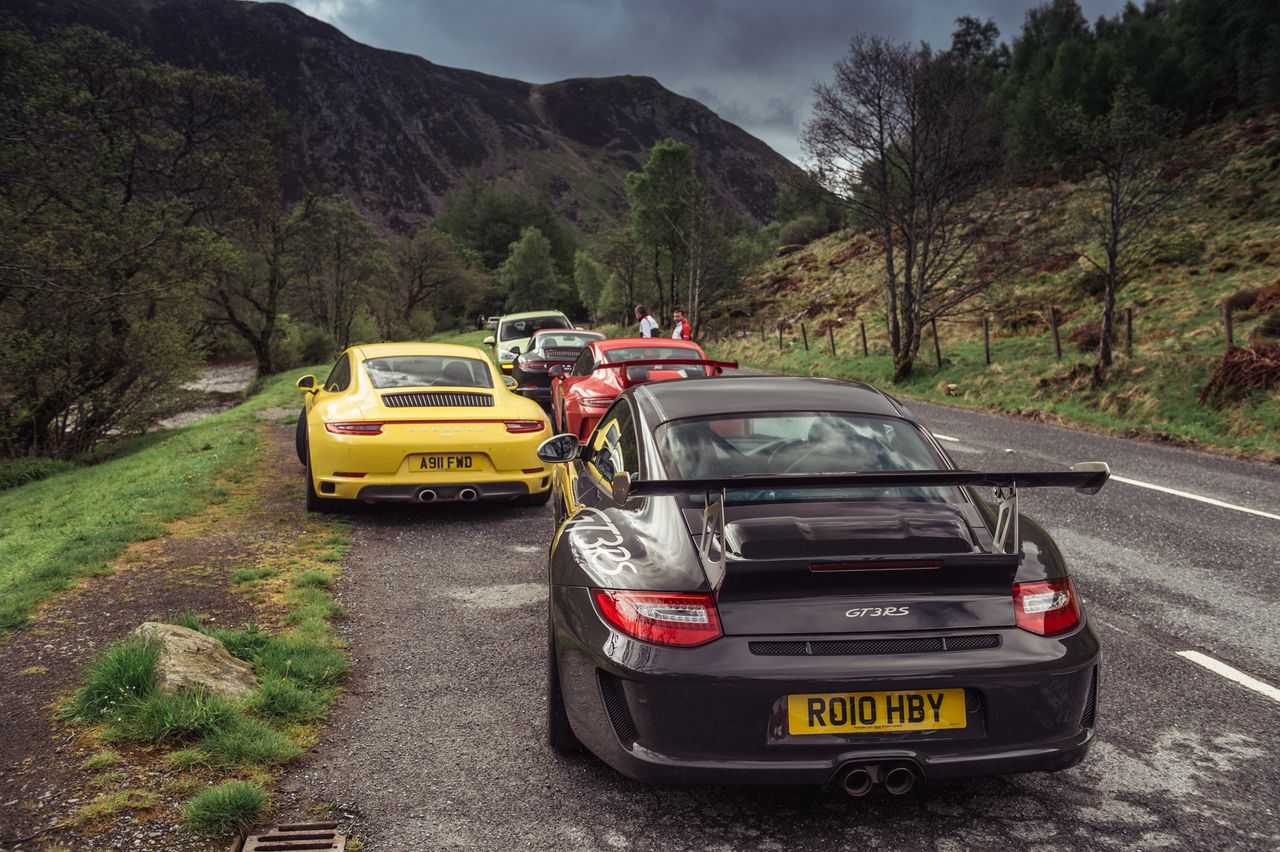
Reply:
x=752, y=61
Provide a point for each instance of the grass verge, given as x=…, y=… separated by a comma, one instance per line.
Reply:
x=77, y=520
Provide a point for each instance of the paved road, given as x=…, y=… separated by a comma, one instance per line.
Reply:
x=438, y=744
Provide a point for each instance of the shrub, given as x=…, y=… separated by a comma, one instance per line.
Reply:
x=230, y=807
x=1086, y=337
x=801, y=231
x=21, y=471
x=123, y=676
x=1179, y=249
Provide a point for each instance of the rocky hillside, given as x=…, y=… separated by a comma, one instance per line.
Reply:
x=1221, y=244
x=396, y=132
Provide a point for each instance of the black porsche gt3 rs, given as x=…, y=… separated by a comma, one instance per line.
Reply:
x=775, y=580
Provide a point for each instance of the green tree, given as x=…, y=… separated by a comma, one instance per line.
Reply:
x=117, y=175
x=433, y=281
x=588, y=279
x=663, y=197
x=339, y=261
x=488, y=219
x=248, y=290
x=528, y=275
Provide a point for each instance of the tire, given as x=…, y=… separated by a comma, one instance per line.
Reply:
x=316, y=503
x=539, y=499
x=300, y=437
x=560, y=736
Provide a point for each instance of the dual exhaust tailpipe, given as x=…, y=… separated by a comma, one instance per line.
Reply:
x=897, y=778
x=430, y=495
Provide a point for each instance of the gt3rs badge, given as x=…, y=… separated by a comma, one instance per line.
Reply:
x=877, y=611
x=599, y=541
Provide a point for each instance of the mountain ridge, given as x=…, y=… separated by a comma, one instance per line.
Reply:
x=397, y=132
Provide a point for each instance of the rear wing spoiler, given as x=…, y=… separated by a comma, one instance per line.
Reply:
x=1085, y=478
x=663, y=362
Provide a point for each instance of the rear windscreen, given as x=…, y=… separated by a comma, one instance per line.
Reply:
x=521, y=328
x=565, y=340
x=797, y=443
x=402, y=371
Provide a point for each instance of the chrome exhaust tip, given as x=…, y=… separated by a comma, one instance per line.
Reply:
x=426, y=495
x=468, y=495
x=857, y=782
x=899, y=780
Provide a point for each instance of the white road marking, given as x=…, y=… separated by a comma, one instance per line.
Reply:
x=1174, y=491
x=1231, y=674
x=1187, y=494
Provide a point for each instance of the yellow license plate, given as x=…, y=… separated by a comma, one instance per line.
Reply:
x=442, y=462
x=863, y=712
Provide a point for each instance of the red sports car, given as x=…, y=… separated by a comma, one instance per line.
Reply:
x=581, y=394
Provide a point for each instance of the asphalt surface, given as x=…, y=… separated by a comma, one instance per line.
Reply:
x=438, y=742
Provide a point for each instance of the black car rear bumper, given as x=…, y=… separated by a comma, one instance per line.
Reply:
x=712, y=714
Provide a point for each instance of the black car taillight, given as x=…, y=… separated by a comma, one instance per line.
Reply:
x=679, y=619
x=1046, y=607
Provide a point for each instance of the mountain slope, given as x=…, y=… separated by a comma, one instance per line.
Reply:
x=1221, y=243
x=396, y=132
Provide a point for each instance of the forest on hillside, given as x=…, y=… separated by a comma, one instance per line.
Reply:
x=143, y=229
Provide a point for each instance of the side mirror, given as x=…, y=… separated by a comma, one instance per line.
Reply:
x=306, y=383
x=515, y=350
x=489, y=341
x=621, y=487
x=511, y=383
x=559, y=449
x=556, y=371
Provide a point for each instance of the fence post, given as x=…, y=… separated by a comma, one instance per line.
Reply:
x=986, y=339
x=1128, y=332
x=1057, y=341
x=863, y=327
x=1227, y=327
x=937, y=347
x=831, y=335
x=779, y=337
x=762, y=331
x=804, y=334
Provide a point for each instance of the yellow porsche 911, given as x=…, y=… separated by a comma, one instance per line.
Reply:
x=419, y=422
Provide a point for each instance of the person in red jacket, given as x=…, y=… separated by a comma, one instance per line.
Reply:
x=682, y=331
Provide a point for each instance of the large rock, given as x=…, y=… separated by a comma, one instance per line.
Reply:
x=191, y=659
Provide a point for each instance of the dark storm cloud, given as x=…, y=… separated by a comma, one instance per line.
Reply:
x=753, y=61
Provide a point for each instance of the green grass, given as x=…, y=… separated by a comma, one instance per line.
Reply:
x=187, y=758
x=78, y=520
x=185, y=715
x=312, y=579
x=119, y=679
x=242, y=741
x=100, y=760
x=252, y=575
x=282, y=700
x=110, y=804
x=227, y=808
x=21, y=471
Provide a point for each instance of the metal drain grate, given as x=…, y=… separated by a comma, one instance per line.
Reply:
x=295, y=837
